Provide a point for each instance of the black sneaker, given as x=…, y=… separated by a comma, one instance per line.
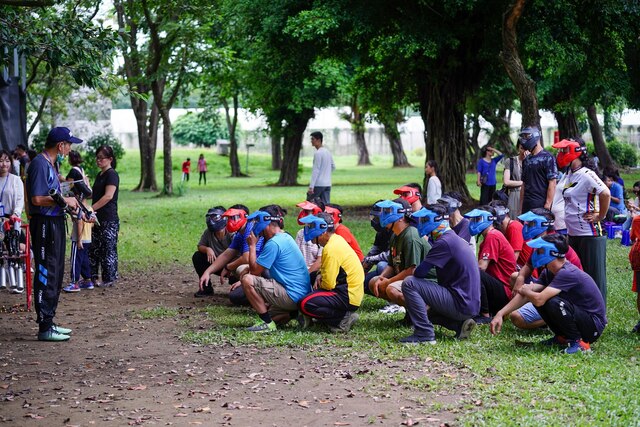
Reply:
x=482, y=320
x=346, y=323
x=202, y=293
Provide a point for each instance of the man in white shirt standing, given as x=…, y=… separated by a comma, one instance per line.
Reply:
x=323, y=166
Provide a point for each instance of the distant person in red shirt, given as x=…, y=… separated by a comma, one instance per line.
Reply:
x=186, y=168
x=512, y=229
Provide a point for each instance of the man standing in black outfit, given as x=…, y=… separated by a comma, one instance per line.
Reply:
x=47, y=228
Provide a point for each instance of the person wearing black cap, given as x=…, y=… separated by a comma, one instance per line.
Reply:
x=47, y=228
x=214, y=241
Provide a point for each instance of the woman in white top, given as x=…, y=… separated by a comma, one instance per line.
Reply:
x=434, y=186
x=11, y=188
x=586, y=202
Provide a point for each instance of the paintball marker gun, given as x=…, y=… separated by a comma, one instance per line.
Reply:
x=57, y=197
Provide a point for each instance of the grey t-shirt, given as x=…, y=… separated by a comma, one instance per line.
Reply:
x=210, y=240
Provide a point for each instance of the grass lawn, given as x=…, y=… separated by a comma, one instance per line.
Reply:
x=506, y=383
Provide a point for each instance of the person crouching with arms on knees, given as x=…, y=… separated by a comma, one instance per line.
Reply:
x=455, y=299
x=339, y=289
x=407, y=250
x=566, y=298
x=278, y=295
x=537, y=222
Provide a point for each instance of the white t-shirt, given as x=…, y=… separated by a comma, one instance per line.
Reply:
x=558, y=205
x=12, y=195
x=434, y=190
x=580, y=192
x=322, y=167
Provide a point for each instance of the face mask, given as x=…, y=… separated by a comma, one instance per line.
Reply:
x=375, y=224
x=59, y=158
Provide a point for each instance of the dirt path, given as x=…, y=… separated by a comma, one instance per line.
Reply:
x=121, y=370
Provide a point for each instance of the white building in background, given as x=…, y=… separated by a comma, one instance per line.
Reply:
x=339, y=138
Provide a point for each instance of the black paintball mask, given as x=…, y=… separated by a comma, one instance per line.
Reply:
x=214, y=219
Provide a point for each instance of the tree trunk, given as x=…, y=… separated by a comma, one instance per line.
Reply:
x=474, y=146
x=446, y=139
x=147, y=141
x=293, y=132
x=363, y=152
x=234, y=161
x=390, y=126
x=567, y=124
x=524, y=85
x=604, y=158
x=356, y=118
x=501, y=136
x=166, y=150
x=276, y=147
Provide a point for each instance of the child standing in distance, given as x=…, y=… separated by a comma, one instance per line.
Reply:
x=186, y=168
x=634, y=260
x=202, y=168
x=81, y=231
x=80, y=244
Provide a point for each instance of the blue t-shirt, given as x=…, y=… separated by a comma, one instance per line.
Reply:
x=286, y=265
x=239, y=242
x=457, y=271
x=618, y=192
x=41, y=177
x=579, y=289
x=537, y=171
x=488, y=170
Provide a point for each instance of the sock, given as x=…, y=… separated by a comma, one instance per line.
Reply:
x=265, y=317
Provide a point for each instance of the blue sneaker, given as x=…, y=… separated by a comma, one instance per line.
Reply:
x=577, y=346
x=72, y=287
x=86, y=284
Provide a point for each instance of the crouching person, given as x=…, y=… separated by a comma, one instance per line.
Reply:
x=566, y=298
x=340, y=283
x=455, y=299
x=278, y=295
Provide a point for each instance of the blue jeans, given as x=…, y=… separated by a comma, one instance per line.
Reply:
x=422, y=293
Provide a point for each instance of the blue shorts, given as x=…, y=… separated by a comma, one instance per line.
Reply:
x=529, y=313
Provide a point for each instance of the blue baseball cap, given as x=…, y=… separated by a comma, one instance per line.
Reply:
x=60, y=134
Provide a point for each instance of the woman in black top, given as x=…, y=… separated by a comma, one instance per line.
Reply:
x=104, y=245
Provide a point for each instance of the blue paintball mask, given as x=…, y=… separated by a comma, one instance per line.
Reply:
x=544, y=252
x=261, y=220
x=534, y=225
x=390, y=212
x=314, y=227
x=479, y=220
x=428, y=221
x=214, y=219
x=529, y=137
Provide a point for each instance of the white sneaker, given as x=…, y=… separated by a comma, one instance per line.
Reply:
x=392, y=309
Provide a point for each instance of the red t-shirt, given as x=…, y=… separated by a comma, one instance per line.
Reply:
x=502, y=262
x=513, y=233
x=186, y=165
x=343, y=230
